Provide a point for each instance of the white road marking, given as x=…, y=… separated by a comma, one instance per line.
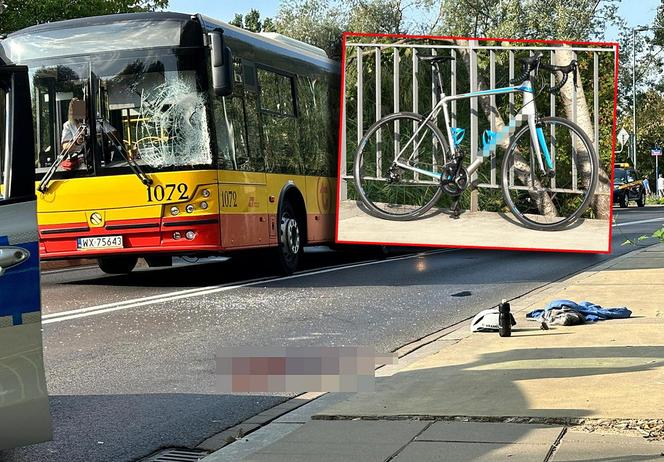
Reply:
x=188, y=293
x=638, y=222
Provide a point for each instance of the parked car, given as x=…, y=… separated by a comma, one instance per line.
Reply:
x=627, y=186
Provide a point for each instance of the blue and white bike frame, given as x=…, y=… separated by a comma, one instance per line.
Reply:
x=528, y=112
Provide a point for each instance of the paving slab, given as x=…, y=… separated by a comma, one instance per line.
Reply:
x=578, y=447
x=342, y=440
x=486, y=229
x=488, y=432
x=428, y=451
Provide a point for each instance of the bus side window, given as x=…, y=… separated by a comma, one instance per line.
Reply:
x=281, y=133
x=314, y=123
x=230, y=126
x=333, y=108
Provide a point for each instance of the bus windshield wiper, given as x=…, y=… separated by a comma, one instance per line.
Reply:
x=133, y=165
x=46, y=179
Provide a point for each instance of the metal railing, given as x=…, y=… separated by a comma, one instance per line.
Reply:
x=370, y=58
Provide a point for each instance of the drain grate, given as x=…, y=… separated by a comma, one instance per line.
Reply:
x=177, y=455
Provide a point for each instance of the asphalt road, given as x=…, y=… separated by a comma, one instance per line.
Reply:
x=130, y=359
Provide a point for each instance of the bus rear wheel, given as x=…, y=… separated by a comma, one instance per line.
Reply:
x=117, y=265
x=290, y=246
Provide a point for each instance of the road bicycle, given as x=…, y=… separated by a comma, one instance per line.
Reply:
x=549, y=173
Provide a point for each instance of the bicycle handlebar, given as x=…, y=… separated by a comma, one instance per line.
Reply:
x=533, y=63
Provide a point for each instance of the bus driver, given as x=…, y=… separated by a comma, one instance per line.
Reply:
x=74, y=135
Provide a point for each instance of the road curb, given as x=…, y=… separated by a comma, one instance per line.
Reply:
x=260, y=420
x=457, y=331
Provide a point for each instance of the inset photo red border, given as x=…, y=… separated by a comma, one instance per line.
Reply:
x=481, y=143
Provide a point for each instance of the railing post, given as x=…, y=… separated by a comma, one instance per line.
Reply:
x=434, y=101
x=492, y=119
x=474, y=125
x=552, y=101
x=574, y=143
x=360, y=96
x=596, y=99
x=395, y=94
x=379, y=115
x=453, y=87
x=416, y=97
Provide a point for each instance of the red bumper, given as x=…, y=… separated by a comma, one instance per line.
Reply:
x=146, y=236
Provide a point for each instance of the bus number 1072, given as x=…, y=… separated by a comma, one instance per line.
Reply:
x=228, y=199
x=167, y=192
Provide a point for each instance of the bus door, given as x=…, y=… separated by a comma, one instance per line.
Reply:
x=243, y=200
x=24, y=413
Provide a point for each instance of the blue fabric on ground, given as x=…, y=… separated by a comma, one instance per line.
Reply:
x=589, y=310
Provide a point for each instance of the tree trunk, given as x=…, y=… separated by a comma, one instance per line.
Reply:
x=544, y=203
x=601, y=203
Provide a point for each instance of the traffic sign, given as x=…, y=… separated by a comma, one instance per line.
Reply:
x=656, y=152
x=623, y=136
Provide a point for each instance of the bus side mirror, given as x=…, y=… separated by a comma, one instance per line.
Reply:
x=222, y=65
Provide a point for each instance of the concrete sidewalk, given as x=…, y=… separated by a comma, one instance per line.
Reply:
x=483, y=229
x=593, y=392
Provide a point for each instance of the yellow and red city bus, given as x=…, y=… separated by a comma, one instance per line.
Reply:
x=196, y=138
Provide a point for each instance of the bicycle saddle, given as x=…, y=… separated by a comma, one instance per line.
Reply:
x=435, y=59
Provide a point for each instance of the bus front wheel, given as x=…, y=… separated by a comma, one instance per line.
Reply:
x=117, y=265
x=290, y=246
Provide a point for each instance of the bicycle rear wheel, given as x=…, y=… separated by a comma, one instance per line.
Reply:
x=550, y=202
x=392, y=192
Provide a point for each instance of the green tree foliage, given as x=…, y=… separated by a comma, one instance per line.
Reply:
x=318, y=22
x=321, y=22
x=528, y=19
x=650, y=131
x=237, y=21
x=648, y=66
x=252, y=21
x=268, y=25
x=20, y=14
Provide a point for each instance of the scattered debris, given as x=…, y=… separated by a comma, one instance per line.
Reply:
x=651, y=429
x=567, y=312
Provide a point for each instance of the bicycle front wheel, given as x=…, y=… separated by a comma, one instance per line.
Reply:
x=550, y=201
x=388, y=190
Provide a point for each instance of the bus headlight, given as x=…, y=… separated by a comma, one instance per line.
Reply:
x=204, y=205
x=206, y=193
x=175, y=211
x=177, y=235
x=190, y=235
x=189, y=208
